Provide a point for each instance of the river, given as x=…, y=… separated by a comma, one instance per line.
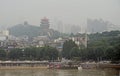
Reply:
x=56, y=72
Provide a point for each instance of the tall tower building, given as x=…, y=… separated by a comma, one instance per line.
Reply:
x=44, y=27
x=44, y=23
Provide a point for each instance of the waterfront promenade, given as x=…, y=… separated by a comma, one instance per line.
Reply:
x=23, y=64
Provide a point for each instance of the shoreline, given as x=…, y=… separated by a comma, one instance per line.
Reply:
x=22, y=67
x=55, y=65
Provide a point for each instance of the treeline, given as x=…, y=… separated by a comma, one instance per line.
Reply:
x=101, y=46
x=33, y=53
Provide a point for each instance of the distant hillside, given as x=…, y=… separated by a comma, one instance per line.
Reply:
x=29, y=30
x=21, y=29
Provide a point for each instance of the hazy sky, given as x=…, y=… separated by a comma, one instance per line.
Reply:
x=69, y=11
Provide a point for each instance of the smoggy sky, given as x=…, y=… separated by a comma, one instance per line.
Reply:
x=68, y=11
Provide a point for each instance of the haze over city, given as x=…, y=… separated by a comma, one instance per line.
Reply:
x=76, y=37
x=67, y=11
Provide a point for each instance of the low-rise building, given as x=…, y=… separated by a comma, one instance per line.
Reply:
x=40, y=41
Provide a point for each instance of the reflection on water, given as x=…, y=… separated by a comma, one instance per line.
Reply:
x=55, y=72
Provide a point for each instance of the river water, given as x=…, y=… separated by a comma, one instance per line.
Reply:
x=55, y=72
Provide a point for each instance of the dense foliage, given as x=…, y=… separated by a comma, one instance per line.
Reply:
x=101, y=46
x=33, y=53
x=67, y=48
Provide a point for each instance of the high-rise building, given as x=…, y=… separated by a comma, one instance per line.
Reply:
x=96, y=25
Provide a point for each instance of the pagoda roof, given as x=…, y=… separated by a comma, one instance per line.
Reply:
x=44, y=19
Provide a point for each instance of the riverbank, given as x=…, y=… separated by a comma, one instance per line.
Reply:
x=21, y=67
x=53, y=65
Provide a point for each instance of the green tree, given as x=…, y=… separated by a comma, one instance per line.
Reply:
x=110, y=53
x=40, y=53
x=67, y=47
x=51, y=53
x=2, y=54
x=47, y=53
x=75, y=53
x=15, y=54
x=30, y=53
x=117, y=53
